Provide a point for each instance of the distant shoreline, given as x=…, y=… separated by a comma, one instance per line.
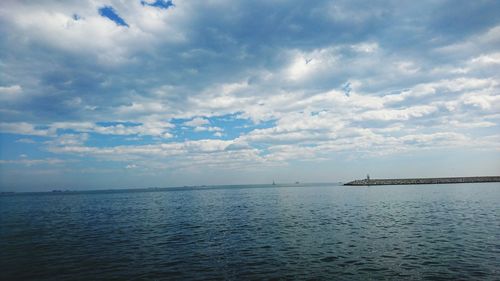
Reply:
x=363, y=182
x=170, y=188
x=367, y=182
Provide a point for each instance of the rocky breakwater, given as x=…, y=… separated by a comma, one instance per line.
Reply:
x=423, y=181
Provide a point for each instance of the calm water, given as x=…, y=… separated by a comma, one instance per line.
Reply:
x=432, y=232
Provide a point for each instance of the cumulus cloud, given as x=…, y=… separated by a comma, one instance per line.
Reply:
x=154, y=128
x=160, y=85
x=196, y=122
x=23, y=128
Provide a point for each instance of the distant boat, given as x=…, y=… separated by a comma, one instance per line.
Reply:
x=274, y=183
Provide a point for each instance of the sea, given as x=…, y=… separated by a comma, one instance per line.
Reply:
x=282, y=232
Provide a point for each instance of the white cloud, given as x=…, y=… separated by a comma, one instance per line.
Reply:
x=209, y=129
x=398, y=114
x=150, y=128
x=365, y=47
x=10, y=92
x=305, y=65
x=33, y=162
x=92, y=34
x=487, y=59
x=70, y=139
x=482, y=101
x=23, y=128
x=131, y=166
x=412, y=85
x=25, y=140
x=196, y=122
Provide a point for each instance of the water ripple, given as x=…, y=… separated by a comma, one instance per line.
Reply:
x=446, y=232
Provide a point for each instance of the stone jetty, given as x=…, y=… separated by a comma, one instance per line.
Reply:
x=369, y=181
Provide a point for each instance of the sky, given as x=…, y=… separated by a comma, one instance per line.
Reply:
x=157, y=93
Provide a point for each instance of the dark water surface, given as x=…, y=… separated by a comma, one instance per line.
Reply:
x=430, y=232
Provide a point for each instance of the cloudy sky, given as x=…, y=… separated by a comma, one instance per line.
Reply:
x=108, y=94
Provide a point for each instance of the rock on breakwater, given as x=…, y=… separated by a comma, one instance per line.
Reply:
x=423, y=181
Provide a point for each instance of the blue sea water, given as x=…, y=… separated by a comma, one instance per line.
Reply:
x=426, y=232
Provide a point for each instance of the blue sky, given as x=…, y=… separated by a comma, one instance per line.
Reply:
x=118, y=94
